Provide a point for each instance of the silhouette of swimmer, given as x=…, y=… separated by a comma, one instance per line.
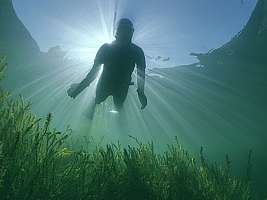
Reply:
x=119, y=60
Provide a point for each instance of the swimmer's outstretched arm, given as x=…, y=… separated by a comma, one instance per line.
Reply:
x=74, y=92
x=91, y=75
x=99, y=59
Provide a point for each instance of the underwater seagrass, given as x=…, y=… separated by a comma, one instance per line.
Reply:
x=36, y=162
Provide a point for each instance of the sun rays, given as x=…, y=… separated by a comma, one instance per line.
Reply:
x=48, y=91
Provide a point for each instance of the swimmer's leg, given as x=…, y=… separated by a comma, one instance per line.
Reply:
x=119, y=97
x=101, y=96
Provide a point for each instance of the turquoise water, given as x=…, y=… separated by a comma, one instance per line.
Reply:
x=219, y=104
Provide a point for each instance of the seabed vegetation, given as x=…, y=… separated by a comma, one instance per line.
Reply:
x=37, y=163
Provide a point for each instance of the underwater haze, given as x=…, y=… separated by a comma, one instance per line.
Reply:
x=214, y=98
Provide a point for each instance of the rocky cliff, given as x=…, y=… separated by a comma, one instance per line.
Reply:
x=250, y=44
x=15, y=39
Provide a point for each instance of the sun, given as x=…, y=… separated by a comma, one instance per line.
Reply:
x=88, y=44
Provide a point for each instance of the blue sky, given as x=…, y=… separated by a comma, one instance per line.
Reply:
x=168, y=28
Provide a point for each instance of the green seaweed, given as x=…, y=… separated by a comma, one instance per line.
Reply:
x=35, y=163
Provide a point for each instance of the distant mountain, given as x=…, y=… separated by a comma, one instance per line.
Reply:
x=249, y=44
x=25, y=60
x=15, y=39
x=241, y=63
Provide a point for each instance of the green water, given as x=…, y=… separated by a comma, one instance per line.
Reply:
x=220, y=105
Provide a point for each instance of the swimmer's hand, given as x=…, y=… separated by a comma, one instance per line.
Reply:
x=142, y=99
x=74, y=90
x=77, y=88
